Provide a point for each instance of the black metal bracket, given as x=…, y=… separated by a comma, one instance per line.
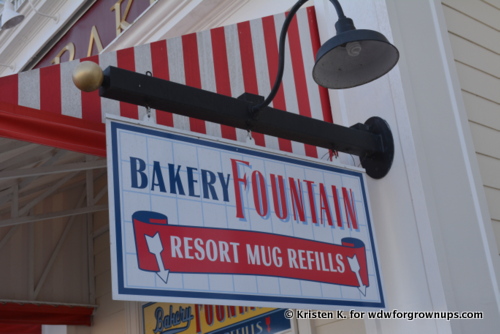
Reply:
x=379, y=163
x=371, y=141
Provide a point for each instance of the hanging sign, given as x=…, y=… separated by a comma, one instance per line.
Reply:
x=194, y=219
x=213, y=319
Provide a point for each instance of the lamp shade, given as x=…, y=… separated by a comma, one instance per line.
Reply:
x=353, y=58
x=10, y=18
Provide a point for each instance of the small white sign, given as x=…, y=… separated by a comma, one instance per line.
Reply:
x=199, y=220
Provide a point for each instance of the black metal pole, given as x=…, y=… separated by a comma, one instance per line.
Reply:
x=371, y=141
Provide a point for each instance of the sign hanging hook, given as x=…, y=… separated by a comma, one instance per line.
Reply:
x=250, y=139
x=148, y=108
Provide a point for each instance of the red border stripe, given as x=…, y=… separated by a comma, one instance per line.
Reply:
x=126, y=59
x=192, y=74
x=159, y=61
x=9, y=89
x=303, y=101
x=50, y=89
x=271, y=42
x=248, y=68
x=316, y=44
x=221, y=70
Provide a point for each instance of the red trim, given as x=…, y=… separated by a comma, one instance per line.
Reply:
x=300, y=78
x=192, y=74
x=272, y=60
x=91, y=101
x=221, y=69
x=249, y=71
x=9, y=90
x=126, y=60
x=298, y=69
x=20, y=329
x=50, y=89
x=159, y=61
x=51, y=129
x=13, y=313
x=316, y=44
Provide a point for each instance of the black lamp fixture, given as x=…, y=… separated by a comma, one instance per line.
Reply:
x=351, y=58
x=354, y=56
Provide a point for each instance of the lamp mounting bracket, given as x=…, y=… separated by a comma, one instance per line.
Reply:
x=379, y=163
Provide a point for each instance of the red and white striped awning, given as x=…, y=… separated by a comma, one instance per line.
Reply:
x=43, y=105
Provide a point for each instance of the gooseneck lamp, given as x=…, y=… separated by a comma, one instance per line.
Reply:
x=351, y=58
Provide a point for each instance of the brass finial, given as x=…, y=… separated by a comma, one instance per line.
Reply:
x=88, y=76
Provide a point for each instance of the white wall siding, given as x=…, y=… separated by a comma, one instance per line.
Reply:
x=474, y=31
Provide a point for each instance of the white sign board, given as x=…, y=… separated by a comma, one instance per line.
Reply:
x=194, y=219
